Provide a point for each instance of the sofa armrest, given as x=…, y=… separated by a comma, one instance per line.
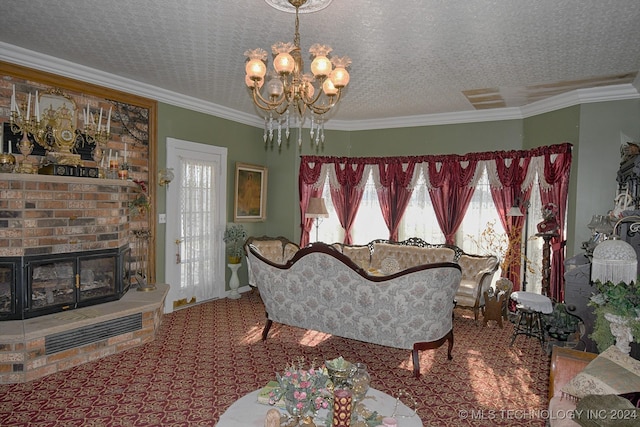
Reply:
x=566, y=363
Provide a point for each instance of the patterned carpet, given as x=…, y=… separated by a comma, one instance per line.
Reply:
x=209, y=355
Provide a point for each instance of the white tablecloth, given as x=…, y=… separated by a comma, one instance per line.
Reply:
x=535, y=302
x=247, y=412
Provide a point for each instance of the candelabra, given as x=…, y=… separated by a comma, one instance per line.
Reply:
x=55, y=127
x=25, y=147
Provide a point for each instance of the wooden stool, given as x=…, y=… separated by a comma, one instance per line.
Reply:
x=530, y=308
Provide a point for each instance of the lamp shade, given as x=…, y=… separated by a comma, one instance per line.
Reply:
x=316, y=208
x=614, y=261
x=515, y=211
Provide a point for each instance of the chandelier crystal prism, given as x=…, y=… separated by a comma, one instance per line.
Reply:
x=289, y=90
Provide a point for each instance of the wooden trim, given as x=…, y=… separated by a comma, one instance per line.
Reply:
x=565, y=359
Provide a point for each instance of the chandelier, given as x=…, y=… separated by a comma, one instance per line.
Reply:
x=291, y=91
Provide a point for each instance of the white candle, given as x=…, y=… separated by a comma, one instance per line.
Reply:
x=37, y=107
x=84, y=117
x=109, y=126
x=109, y=156
x=100, y=120
x=9, y=147
x=29, y=106
x=125, y=153
x=88, y=115
x=102, y=162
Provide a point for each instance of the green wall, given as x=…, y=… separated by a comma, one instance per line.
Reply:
x=554, y=128
x=596, y=131
x=604, y=127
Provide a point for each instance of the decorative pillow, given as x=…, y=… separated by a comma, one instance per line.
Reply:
x=390, y=266
x=606, y=410
x=611, y=372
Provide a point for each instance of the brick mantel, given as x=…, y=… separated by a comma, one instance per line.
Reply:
x=44, y=214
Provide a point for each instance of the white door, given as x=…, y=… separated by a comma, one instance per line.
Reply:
x=196, y=218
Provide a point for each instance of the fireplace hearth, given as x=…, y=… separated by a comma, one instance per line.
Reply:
x=33, y=286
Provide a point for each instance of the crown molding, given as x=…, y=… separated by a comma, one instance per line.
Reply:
x=51, y=64
x=43, y=62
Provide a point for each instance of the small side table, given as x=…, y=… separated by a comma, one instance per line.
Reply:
x=234, y=282
x=531, y=307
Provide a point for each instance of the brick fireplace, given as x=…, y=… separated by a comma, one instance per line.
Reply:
x=63, y=243
x=56, y=230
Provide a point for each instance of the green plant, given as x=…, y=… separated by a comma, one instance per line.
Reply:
x=621, y=299
x=234, y=236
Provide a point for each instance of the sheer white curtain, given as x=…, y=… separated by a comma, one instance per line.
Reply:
x=369, y=223
x=419, y=219
x=197, y=229
x=330, y=230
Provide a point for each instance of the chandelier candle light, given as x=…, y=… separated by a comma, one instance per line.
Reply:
x=291, y=89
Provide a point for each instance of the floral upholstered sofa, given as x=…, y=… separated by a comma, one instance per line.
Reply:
x=383, y=255
x=322, y=289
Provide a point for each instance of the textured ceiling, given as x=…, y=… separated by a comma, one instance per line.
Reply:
x=411, y=57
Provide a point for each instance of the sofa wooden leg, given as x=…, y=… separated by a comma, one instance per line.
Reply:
x=430, y=345
x=450, y=346
x=265, y=331
x=416, y=363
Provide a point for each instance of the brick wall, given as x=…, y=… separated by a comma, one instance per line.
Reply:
x=42, y=214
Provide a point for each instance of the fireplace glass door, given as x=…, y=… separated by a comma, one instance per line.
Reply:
x=97, y=276
x=52, y=283
x=9, y=276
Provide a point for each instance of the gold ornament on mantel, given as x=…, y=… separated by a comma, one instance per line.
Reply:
x=55, y=127
x=25, y=147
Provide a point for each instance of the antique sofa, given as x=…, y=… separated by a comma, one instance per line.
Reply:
x=384, y=256
x=322, y=289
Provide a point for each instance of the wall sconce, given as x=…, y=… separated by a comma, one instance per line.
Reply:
x=165, y=176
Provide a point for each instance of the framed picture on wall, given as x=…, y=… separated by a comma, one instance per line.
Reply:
x=250, y=201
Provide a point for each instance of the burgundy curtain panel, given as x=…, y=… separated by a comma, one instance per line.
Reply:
x=450, y=192
x=310, y=185
x=394, y=191
x=346, y=199
x=511, y=170
x=555, y=189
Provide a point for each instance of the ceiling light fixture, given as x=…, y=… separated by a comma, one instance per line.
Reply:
x=289, y=88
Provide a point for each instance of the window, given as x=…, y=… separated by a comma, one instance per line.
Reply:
x=419, y=220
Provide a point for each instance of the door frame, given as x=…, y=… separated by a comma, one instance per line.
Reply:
x=172, y=213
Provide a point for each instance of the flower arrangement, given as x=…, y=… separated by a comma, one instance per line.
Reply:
x=140, y=204
x=623, y=300
x=303, y=389
x=234, y=236
x=499, y=244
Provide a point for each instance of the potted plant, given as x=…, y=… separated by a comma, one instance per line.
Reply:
x=616, y=305
x=234, y=236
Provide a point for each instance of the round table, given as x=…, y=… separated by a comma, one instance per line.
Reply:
x=247, y=412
